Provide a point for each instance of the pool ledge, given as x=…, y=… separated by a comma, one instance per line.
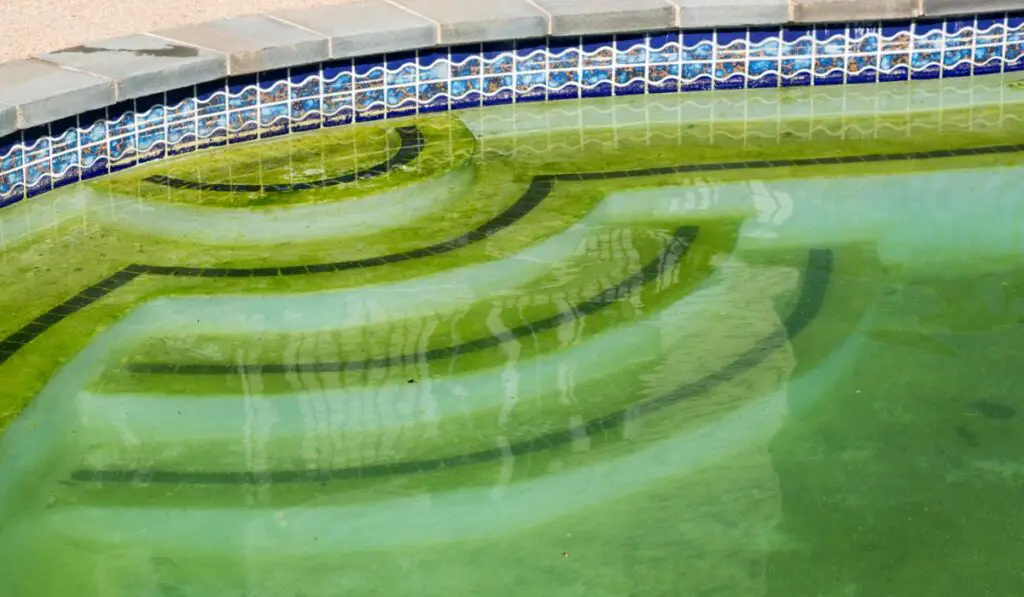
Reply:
x=70, y=81
x=93, y=109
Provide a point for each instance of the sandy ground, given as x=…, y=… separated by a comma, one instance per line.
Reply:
x=32, y=26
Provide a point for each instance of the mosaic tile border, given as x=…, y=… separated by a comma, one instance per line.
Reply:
x=272, y=103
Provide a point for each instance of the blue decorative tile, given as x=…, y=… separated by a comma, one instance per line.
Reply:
x=531, y=86
x=305, y=114
x=630, y=49
x=664, y=47
x=1014, y=57
x=274, y=120
x=211, y=98
x=602, y=88
x=498, y=90
x=213, y=126
x=243, y=92
x=66, y=169
x=465, y=93
x=338, y=109
x=1014, y=26
x=12, y=187
x=123, y=152
x=531, y=55
x=894, y=67
x=829, y=70
x=434, y=96
x=434, y=65
x=401, y=101
x=987, y=60
x=956, y=62
x=736, y=81
x=598, y=51
x=928, y=35
x=563, y=84
x=369, y=100
x=663, y=78
x=36, y=142
x=693, y=71
x=369, y=104
x=764, y=81
x=121, y=119
x=12, y=173
x=402, y=69
x=765, y=43
x=796, y=67
x=830, y=40
x=150, y=112
x=64, y=135
x=731, y=45
x=934, y=71
x=95, y=160
x=337, y=77
x=181, y=137
x=698, y=46
x=156, y=139
x=499, y=58
x=466, y=61
x=761, y=67
x=274, y=92
x=369, y=73
x=281, y=101
x=12, y=152
x=565, y=53
x=797, y=41
x=864, y=38
x=862, y=68
x=305, y=80
x=181, y=110
x=243, y=125
x=990, y=30
x=38, y=179
x=92, y=126
x=895, y=39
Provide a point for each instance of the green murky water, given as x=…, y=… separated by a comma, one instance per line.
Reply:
x=735, y=344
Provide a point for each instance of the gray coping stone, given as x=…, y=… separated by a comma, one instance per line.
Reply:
x=835, y=11
x=470, y=21
x=953, y=7
x=730, y=13
x=254, y=43
x=8, y=119
x=142, y=64
x=365, y=27
x=577, y=17
x=43, y=92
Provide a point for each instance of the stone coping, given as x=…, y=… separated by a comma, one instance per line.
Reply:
x=70, y=81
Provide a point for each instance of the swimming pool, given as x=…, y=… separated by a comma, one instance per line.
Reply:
x=755, y=342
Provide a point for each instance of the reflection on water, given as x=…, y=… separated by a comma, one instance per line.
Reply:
x=769, y=380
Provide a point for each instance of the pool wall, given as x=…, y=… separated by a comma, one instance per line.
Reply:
x=88, y=111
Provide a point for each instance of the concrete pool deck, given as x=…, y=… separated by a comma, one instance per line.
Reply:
x=74, y=22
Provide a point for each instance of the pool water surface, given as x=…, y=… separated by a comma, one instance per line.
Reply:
x=737, y=343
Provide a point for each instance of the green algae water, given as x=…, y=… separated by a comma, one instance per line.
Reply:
x=743, y=343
